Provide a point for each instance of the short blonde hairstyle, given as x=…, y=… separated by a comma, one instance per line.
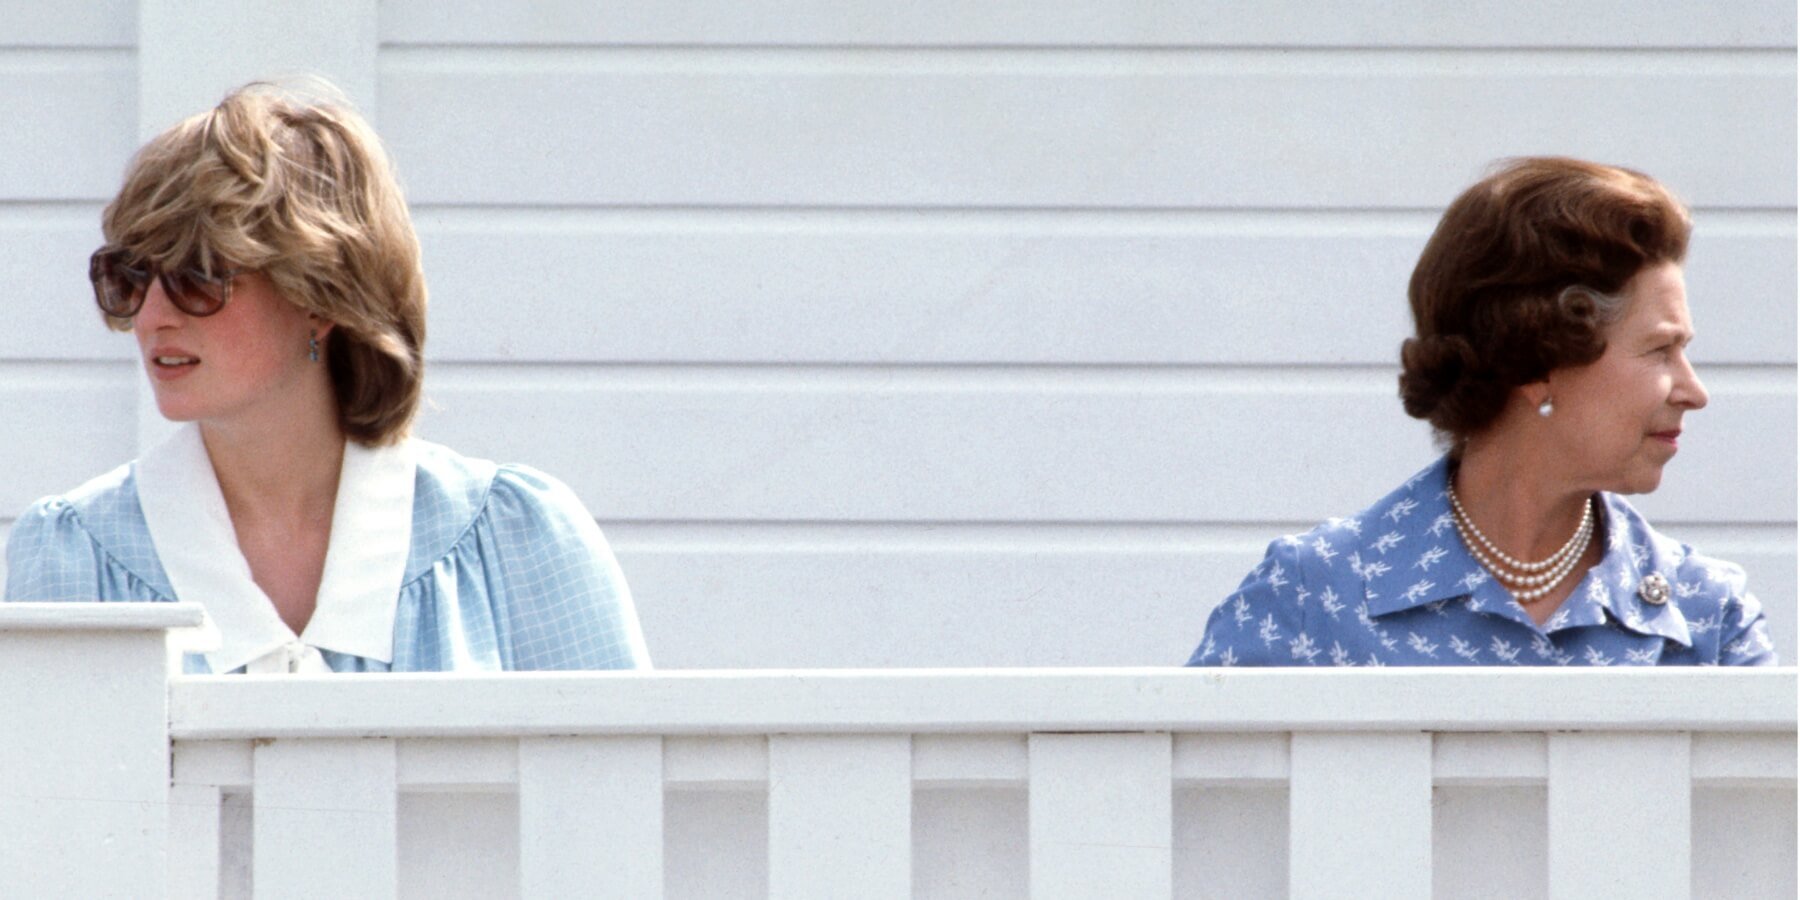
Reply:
x=301, y=190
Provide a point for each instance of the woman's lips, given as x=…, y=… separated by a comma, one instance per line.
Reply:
x=1671, y=437
x=166, y=365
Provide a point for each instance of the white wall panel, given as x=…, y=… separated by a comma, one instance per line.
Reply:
x=1273, y=130
x=64, y=424
x=49, y=311
x=70, y=117
x=1160, y=23
x=1059, y=445
x=68, y=23
x=1033, y=288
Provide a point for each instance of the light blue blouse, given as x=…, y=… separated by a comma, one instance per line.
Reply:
x=506, y=570
x=1394, y=585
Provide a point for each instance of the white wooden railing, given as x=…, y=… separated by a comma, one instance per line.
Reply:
x=116, y=779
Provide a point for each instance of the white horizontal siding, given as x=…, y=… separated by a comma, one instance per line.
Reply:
x=1019, y=287
x=953, y=444
x=1283, y=130
x=70, y=118
x=68, y=23
x=945, y=334
x=1160, y=23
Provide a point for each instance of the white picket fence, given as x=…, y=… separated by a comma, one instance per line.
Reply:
x=1023, y=782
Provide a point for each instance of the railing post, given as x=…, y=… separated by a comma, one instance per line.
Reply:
x=84, y=748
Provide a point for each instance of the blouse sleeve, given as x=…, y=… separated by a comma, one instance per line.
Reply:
x=50, y=557
x=568, y=606
x=1256, y=624
x=1744, y=632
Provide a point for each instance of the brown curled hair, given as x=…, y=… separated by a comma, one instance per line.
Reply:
x=301, y=190
x=1523, y=276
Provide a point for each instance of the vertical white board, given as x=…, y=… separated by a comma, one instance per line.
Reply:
x=591, y=817
x=193, y=840
x=1360, y=816
x=840, y=816
x=1100, y=811
x=1620, y=815
x=324, y=819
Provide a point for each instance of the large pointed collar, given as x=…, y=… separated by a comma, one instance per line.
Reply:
x=365, y=560
x=1410, y=556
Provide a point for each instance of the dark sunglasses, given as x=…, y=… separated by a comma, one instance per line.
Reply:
x=120, y=286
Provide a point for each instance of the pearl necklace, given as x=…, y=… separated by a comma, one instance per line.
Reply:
x=1527, y=581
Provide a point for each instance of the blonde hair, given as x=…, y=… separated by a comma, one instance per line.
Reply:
x=301, y=190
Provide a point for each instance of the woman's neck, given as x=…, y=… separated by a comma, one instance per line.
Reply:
x=1515, y=498
x=282, y=467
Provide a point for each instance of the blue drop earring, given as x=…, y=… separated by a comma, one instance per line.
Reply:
x=312, y=348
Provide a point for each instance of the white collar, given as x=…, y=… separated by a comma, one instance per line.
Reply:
x=365, y=561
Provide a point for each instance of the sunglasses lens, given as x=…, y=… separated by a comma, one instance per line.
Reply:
x=118, y=287
x=194, y=293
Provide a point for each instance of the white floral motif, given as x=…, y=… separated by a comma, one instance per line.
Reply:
x=1640, y=554
x=1329, y=601
x=1240, y=611
x=1626, y=576
x=1367, y=571
x=1439, y=607
x=1324, y=550
x=1207, y=649
x=1229, y=658
x=1388, y=542
x=1596, y=591
x=1440, y=523
x=1644, y=657
x=1300, y=595
x=1375, y=661
x=1505, y=650
x=1340, y=656
x=1618, y=540
x=1430, y=558
x=1302, y=647
x=1463, y=648
x=1559, y=620
x=1388, y=642
x=1269, y=632
x=1475, y=604
x=1472, y=580
x=1420, y=645
x=1352, y=525
x=1686, y=589
x=1546, y=650
x=1291, y=540
x=1418, y=591
x=1274, y=577
x=1706, y=625
x=1594, y=657
x=1401, y=509
x=1717, y=574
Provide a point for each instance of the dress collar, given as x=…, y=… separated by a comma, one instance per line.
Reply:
x=1411, y=556
x=365, y=559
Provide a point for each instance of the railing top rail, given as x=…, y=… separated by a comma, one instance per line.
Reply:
x=98, y=616
x=710, y=702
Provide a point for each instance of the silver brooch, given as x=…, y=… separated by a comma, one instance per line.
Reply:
x=1654, y=589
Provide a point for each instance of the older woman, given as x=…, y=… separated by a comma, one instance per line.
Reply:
x=1550, y=356
x=263, y=257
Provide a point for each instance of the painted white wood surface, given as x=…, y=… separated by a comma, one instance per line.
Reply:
x=840, y=816
x=84, y=786
x=593, y=808
x=1032, y=211
x=1604, y=23
x=1360, y=814
x=194, y=840
x=1608, y=837
x=324, y=813
x=1100, y=816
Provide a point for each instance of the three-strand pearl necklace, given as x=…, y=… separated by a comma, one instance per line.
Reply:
x=1526, y=580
